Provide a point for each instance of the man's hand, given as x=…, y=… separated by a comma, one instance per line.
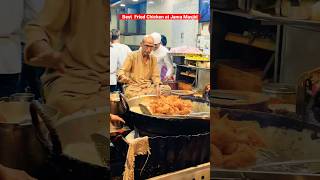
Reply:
x=41, y=54
x=116, y=120
x=168, y=78
x=50, y=59
x=13, y=174
x=158, y=90
x=125, y=80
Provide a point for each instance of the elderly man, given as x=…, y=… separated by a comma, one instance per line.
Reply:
x=140, y=65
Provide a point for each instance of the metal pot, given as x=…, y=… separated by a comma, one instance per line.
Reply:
x=26, y=97
x=150, y=125
x=70, y=141
x=115, y=105
x=239, y=100
x=20, y=148
x=283, y=93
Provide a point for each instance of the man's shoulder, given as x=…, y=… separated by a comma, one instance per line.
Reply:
x=133, y=54
x=123, y=46
x=153, y=57
x=136, y=52
x=163, y=48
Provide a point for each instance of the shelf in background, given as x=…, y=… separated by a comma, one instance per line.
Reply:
x=236, y=76
x=276, y=19
x=243, y=66
x=189, y=75
x=261, y=43
x=193, y=67
x=239, y=13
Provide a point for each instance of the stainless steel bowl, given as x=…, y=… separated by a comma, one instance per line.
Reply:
x=26, y=97
x=20, y=148
x=115, y=105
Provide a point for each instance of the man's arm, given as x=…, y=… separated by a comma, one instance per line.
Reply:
x=126, y=68
x=128, y=49
x=44, y=34
x=169, y=65
x=155, y=71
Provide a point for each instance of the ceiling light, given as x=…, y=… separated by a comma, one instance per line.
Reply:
x=135, y=0
x=122, y=5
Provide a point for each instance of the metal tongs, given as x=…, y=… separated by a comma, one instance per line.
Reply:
x=289, y=163
x=227, y=96
x=293, y=166
x=283, y=166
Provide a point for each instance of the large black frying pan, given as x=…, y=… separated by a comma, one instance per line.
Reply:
x=148, y=125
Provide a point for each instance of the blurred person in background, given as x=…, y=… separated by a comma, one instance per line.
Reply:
x=69, y=40
x=115, y=64
x=123, y=49
x=163, y=40
x=118, y=54
x=29, y=79
x=164, y=62
x=14, y=14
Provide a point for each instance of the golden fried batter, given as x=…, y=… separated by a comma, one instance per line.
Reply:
x=244, y=156
x=138, y=89
x=236, y=142
x=216, y=156
x=2, y=118
x=171, y=105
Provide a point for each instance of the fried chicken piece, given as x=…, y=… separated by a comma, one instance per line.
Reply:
x=243, y=157
x=223, y=134
x=216, y=156
x=237, y=141
x=229, y=148
x=250, y=137
x=226, y=132
x=171, y=105
x=223, y=137
x=2, y=118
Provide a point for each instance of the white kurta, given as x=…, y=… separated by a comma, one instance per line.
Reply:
x=13, y=15
x=163, y=59
x=123, y=51
x=115, y=64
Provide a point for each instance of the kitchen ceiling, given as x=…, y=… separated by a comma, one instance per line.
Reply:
x=127, y=1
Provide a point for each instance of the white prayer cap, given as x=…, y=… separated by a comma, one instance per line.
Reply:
x=156, y=37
